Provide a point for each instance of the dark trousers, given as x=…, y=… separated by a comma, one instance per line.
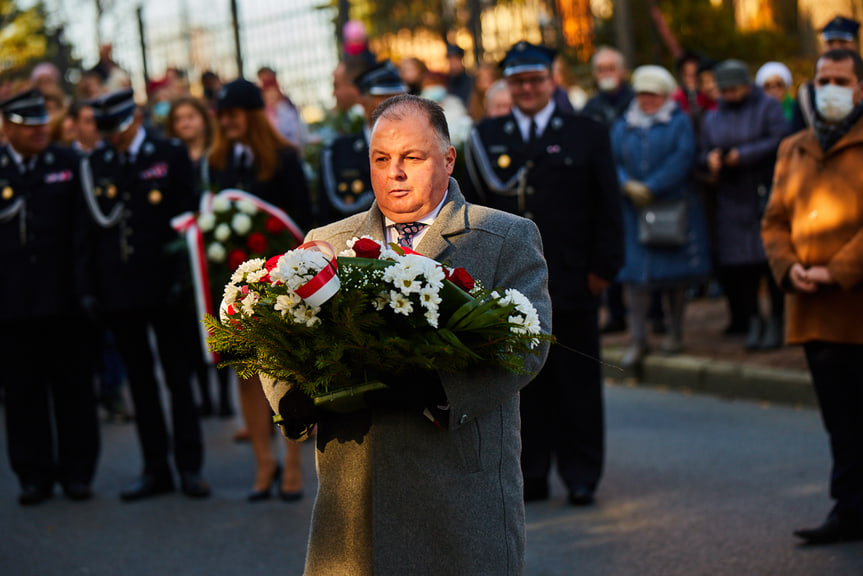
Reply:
x=741, y=284
x=562, y=409
x=50, y=401
x=613, y=296
x=130, y=333
x=837, y=373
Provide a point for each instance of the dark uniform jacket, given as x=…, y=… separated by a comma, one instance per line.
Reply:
x=136, y=259
x=39, y=240
x=567, y=184
x=346, y=185
x=287, y=189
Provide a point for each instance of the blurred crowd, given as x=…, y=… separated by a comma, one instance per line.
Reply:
x=694, y=151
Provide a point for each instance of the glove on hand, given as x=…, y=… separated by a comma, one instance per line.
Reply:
x=297, y=410
x=639, y=194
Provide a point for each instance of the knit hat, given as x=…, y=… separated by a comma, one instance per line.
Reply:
x=731, y=73
x=771, y=69
x=653, y=79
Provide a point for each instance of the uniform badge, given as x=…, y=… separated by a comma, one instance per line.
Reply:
x=97, y=191
x=357, y=186
x=111, y=191
x=553, y=149
x=155, y=196
x=359, y=145
x=148, y=148
x=509, y=127
x=8, y=193
x=109, y=155
x=556, y=123
x=49, y=158
x=343, y=186
x=504, y=161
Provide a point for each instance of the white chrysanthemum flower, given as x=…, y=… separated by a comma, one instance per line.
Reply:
x=206, y=222
x=430, y=297
x=253, y=265
x=223, y=232
x=432, y=317
x=230, y=294
x=221, y=204
x=388, y=253
x=256, y=275
x=306, y=315
x=249, y=303
x=400, y=303
x=435, y=276
x=297, y=267
x=247, y=207
x=216, y=252
x=403, y=279
x=348, y=253
x=285, y=303
x=241, y=223
x=380, y=302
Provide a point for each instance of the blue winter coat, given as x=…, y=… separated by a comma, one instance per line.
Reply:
x=662, y=157
x=755, y=128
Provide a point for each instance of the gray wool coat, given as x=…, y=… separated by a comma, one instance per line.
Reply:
x=397, y=495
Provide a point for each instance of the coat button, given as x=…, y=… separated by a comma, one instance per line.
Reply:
x=462, y=420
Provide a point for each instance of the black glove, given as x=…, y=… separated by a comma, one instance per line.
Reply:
x=298, y=413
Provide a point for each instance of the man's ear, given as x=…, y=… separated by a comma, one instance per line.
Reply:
x=450, y=160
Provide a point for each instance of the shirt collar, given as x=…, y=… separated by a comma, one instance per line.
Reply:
x=428, y=219
x=135, y=146
x=240, y=149
x=542, y=119
x=19, y=160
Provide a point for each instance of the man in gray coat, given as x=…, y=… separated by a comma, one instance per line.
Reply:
x=398, y=495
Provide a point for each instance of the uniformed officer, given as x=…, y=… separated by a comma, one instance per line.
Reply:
x=139, y=183
x=50, y=406
x=345, y=175
x=556, y=169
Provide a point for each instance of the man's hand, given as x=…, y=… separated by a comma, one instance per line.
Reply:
x=639, y=194
x=596, y=284
x=714, y=161
x=732, y=158
x=800, y=279
x=820, y=275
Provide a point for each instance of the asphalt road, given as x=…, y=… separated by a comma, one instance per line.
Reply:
x=693, y=486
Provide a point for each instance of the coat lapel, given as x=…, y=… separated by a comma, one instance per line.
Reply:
x=450, y=221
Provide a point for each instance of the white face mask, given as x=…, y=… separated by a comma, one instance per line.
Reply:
x=608, y=84
x=834, y=103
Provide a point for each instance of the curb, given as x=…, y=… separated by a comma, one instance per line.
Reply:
x=715, y=377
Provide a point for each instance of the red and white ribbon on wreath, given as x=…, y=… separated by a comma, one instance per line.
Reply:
x=325, y=283
x=187, y=225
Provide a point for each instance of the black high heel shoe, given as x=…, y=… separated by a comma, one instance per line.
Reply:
x=267, y=493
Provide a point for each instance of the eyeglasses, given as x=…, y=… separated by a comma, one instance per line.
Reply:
x=526, y=81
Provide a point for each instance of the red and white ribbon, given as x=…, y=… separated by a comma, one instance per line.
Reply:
x=187, y=224
x=325, y=283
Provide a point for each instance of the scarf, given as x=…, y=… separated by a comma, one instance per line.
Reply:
x=636, y=118
x=829, y=134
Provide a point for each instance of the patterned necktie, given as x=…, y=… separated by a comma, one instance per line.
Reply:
x=407, y=231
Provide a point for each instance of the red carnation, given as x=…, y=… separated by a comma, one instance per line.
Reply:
x=257, y=243
x=274, y=225
x=273, y=262
x=236, y=257
x=366, y=248
x=460, y=278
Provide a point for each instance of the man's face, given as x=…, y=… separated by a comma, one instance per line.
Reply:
x=344, y=91
x=26, y=140
x=531, y=91
x=735, y=94
x=607, y=70
x=85, y=127
x=839, y=73
x=122, y=140
x=409, y=172
x=839, y=44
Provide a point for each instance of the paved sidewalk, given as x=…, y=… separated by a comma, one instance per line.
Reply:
x=716, y=364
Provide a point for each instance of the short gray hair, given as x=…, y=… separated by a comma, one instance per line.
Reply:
x=403, y=105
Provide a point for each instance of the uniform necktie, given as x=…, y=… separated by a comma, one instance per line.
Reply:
x=407, y=231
